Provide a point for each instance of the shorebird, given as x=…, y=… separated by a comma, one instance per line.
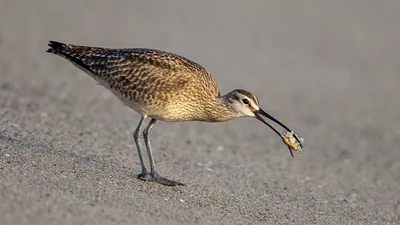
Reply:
x=164, y=86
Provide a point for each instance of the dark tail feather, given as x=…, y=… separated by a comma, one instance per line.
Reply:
x=64, y=51
x=57, y=47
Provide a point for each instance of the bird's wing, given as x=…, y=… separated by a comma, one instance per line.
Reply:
x=137, y=70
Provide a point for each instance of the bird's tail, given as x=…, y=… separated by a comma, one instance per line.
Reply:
x=57, y=48
x=75, y=54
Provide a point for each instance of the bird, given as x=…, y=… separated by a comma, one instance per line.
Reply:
x=164, y=86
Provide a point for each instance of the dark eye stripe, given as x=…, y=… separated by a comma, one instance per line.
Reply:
x=249, y=95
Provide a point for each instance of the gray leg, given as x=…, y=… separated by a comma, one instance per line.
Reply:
x=154, y=175
x=146, y=134
x=138, y=139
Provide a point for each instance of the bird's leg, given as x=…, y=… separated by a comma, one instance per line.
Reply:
x=137, y=138
x=146, y=135
x=154, y=175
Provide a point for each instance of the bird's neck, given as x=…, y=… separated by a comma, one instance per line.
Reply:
x=220, y=110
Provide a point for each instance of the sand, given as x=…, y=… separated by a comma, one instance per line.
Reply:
x=330, y=71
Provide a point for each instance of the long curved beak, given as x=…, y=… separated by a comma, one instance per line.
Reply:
x=261, y=112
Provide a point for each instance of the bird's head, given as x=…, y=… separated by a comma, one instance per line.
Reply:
x=245, y=104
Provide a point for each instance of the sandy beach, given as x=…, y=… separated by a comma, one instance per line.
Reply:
x=330, y=71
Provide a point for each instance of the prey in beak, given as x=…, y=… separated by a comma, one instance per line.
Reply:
x=291, y=139
x=244, y=103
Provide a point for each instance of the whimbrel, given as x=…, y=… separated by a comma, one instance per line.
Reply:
x=164, y=86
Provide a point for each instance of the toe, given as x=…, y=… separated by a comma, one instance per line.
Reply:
x=144, y=176
x=165, y=181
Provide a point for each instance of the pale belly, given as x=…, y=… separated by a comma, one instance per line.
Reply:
x=168, y=112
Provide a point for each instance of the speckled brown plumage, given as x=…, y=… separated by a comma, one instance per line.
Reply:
x=166, y=86
x=162, y=86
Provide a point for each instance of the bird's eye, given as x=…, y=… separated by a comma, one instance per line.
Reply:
x=245, y=101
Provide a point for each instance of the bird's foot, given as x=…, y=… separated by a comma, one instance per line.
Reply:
x=164, y=181
x=145, y=176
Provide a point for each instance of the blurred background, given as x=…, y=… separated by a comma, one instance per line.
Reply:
x=329, y=70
